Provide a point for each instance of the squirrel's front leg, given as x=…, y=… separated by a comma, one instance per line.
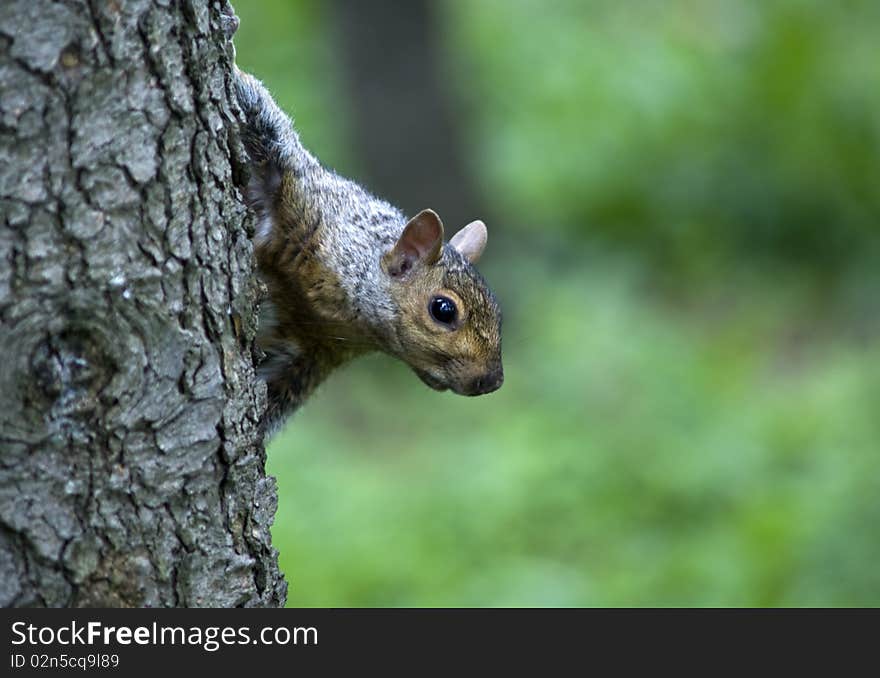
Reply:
x=288, y=383
x=290, y=373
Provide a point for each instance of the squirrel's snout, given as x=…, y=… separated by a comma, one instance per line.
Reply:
x=491, y=381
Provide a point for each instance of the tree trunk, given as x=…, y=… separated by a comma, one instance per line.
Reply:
x=131, y=468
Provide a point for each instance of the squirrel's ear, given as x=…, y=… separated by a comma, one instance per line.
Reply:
x=420, y=242
x=471, y=240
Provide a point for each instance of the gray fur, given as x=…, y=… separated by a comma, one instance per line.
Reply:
x=320, y=239
x=357, y=227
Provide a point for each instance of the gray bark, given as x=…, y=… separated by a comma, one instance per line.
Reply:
x=131, y=468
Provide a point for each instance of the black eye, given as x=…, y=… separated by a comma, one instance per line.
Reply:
x=443, y=310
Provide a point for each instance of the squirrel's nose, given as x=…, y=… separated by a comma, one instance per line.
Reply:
x=491, y=381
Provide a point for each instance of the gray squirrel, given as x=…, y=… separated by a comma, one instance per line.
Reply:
x=347, y=273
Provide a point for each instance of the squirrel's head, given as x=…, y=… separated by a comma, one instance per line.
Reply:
x=449, y=329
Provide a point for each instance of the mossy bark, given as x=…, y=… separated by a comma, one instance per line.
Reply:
x=131, y=468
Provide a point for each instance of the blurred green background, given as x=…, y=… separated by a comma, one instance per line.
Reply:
x=683, y=203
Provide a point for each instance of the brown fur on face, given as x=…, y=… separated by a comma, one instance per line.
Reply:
x=465, y=357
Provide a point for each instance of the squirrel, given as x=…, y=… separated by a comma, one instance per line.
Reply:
x=347, y=274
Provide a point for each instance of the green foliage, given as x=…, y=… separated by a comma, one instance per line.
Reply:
x=679, y=128
x=637, y=455
x=286, y=44
x=711, y=440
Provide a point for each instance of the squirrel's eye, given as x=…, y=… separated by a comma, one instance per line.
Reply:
x=443, y=310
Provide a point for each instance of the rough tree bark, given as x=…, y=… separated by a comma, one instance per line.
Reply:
x=131, y=470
